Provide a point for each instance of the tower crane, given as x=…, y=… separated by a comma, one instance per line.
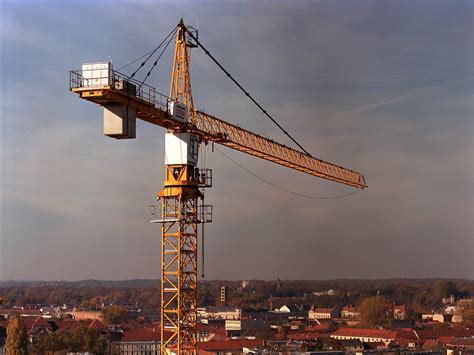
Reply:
x=182, y=199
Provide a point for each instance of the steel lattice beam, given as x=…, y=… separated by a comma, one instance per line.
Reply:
x=179, y=246
x=212, y=129
x=216, y=130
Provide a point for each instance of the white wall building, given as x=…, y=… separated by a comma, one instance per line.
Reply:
x=323, y=313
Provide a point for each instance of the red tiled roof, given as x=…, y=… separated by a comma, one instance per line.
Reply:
x=207, y=330
x=21, y=312
x=366, y=333
x=318, y=327
x=349, y=308
x=32, y=324
x=14, y=311
x=296, y=322
x=406, y=334
x=96, y=324
x=304, y=336
x=219, y=337
x=431, y=344
x=70, y=323
x=141, y=335
x=322, y=310
x=278, y=336
x=435, y=334
x=230, y=344
x=445, y=340
x=403, y=341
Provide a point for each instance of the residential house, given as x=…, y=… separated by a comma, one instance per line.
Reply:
x=219, y=313
x=461, y=346
x=324, y=293
x=350, y=311
x=291, y=312
x=351, y=345
x=237, y=327
x=323, y=313
x=229, y=346
x=400, y=311
x=365, y=335
x=6, y=313
x=36, y=327
x=86, y=315
x=442, y=318
x=427, y=316
x=144, y=341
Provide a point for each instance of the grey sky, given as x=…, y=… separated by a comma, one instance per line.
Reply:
x=382, y=87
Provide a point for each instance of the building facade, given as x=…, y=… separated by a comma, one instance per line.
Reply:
x=323, y=313
x=86, y=315
x=365, y=335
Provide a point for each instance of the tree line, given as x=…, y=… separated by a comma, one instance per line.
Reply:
x=420, y=295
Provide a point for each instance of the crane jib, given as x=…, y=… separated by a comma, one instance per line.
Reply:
x=217, y=130
x=154, y=108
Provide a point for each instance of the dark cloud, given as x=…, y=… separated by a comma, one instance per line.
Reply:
x=379, y=86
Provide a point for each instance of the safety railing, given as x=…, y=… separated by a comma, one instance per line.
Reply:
x=85, y=79
x=154, y=212
x=205, y=213
x=203, y=177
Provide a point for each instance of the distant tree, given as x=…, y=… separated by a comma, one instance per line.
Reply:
x=17, y=337
x=78, y=339
x=466, y=310
x=375, y=311
x=319, y=346
x=421, y=301
x=444, y=288
x=206, y=297
x=91, y=339
x=115, y=314
x=441, y=326
x=430, y=299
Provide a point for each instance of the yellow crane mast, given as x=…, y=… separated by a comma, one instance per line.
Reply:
x=179, y=220
x=182, y=199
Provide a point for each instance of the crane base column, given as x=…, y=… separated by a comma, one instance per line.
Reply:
x=179, y=247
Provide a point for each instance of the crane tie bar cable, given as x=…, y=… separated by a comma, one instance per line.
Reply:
x=157, y=60
x=134, y=61
x=151, y=53
x=245, y=91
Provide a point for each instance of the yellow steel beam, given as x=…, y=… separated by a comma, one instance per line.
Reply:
x=232, y=136
x=212, y=129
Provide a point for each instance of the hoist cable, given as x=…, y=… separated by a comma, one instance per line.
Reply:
x=246, y=92
x=282, y=188
x=153, y=52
